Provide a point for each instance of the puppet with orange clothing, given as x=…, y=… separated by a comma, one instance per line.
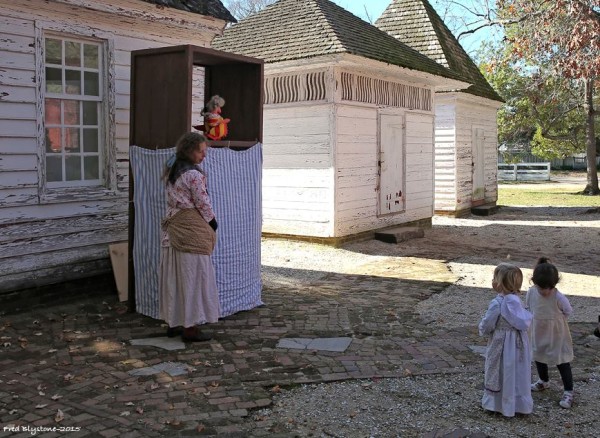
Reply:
x=215, y=126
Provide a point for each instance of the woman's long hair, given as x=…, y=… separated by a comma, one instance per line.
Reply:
x=187, y=144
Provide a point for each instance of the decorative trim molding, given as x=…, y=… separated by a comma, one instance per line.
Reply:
x=302, y=87
x=365, y=89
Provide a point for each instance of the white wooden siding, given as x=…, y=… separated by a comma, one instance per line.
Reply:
x=298, y=170
x=456, y=115
x=357, y=170
x=472, y=114
x=445, y=154
x=43, y=237
x=298, y=202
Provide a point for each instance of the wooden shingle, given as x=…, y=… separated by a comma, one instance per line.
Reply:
x=297, y=29
x=417, y=24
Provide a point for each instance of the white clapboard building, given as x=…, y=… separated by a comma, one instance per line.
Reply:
x=348, y=121
x=64, y=126
x=466, y=131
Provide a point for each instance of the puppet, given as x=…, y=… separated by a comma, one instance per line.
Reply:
x=215, y=126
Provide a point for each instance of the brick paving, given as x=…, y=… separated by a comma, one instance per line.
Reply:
x=68, y=366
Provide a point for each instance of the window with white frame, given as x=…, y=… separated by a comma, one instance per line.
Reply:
x=73, y=119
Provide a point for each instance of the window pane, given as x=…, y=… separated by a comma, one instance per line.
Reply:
x=72, y=53
x=53, y=51
x=91, y=167
x=53, y=143
x=91, y=84
x=52, y=112
x=54, y=169
x=73, y=123
x=72, y=140
x=53, y=80
x=90, y=54
x=73, y=81
x=71, y=108
x=73, y=168
x=90, y=113
x=90, y=140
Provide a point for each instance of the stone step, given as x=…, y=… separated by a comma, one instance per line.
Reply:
x=399, y=234
x=484, y=210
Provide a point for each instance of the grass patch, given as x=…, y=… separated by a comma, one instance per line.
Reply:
x=542, y=197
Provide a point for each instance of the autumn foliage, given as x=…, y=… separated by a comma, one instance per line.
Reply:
x=563, y=33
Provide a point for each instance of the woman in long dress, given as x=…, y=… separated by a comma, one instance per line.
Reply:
x=188, y=294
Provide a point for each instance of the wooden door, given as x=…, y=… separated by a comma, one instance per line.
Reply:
x=478, y=165
x=391, y=163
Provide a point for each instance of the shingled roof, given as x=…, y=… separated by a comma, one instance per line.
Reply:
x=298, y=29
x=211, y=8
x=417, y=24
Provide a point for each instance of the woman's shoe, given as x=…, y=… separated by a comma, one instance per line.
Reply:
x=194, y=335
x=174, y=331
x=597, y=331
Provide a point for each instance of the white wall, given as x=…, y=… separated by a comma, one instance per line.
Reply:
x=445, y=153
x=481, y=113
x=357, y=179
x=298, y=169
x=58, y=235
x=456, y=116
x=320, y=175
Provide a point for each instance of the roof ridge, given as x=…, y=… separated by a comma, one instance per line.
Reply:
x=388, y=13
x=332, y=28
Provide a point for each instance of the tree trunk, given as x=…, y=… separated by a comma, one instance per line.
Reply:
x=592, y=173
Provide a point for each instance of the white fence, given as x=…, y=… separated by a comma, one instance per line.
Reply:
x=524, y=172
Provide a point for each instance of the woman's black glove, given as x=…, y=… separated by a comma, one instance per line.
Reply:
x=213, y=224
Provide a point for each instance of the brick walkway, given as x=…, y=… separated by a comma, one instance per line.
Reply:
x=67, y=366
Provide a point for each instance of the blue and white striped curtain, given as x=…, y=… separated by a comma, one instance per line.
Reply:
x=234, y=185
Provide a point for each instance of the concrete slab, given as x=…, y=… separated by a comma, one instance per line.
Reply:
x=171, y=368
x=322, y=344
x=165, y=343
x=399, y=234
x=479, y=349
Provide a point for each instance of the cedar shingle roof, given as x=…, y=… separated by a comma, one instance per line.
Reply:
x=417, y=24
x=298, y=29
x=211, y=8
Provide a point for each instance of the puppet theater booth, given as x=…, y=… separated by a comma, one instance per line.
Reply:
x=169, y=87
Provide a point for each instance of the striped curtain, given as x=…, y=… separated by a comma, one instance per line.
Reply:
x=234, y=185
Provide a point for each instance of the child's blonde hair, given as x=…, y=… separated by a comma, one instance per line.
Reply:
x=507, y=278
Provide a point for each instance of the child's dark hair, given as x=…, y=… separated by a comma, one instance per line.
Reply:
x=188, y=143
x=545, y=275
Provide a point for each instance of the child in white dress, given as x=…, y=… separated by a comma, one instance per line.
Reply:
x=550, y=335
x=507, y=386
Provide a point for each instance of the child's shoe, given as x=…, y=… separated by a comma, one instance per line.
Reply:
x=567, y=400
x=540, y=385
